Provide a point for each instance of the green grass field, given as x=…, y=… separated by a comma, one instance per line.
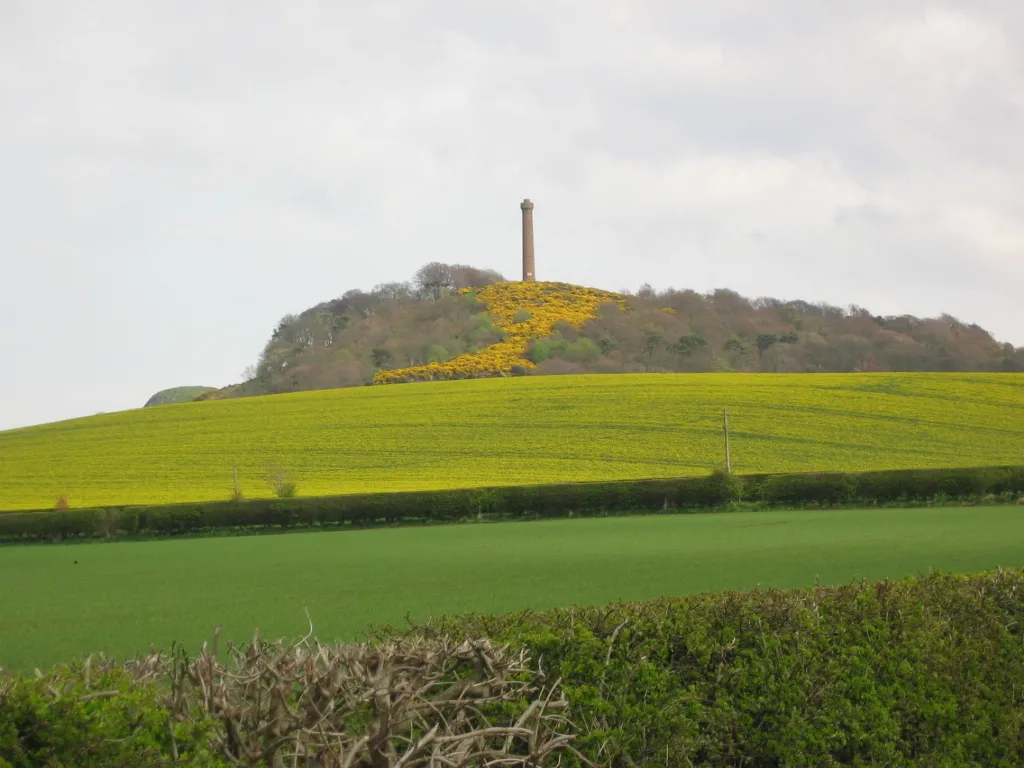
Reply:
x=121, y=596
x=515, y=431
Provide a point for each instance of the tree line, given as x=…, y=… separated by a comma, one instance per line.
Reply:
x=685, y=331
x=345, y=341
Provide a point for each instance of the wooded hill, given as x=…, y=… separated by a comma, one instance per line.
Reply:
x=438, y=317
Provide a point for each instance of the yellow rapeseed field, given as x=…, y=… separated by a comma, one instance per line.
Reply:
x=515, y=431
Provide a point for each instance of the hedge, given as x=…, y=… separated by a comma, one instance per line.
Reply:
x=561, y=500
x=925, y=671
x=71, y=718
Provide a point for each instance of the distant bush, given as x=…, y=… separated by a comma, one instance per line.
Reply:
x=831, y=489
x=279, y=483
x=172, y=520
x=538, y=350
x=730, y=486
x=800, y=489
x=583, y=350
x=437, y=354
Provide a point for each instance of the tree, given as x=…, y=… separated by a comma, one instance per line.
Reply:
x=380, y=357
x=737, y=349
x=735, y=345
x=653, y=339
x=690, y=343
x=393, y=291
x=434, y=280
x=358, y=302
x=437, y=354
x=283, y=325
x=764, y=341
x=463, y=276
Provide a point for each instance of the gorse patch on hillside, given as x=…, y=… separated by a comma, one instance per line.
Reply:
x=524, y=312
x=455, y=321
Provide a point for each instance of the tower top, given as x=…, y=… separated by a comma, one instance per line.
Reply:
x=526, y=205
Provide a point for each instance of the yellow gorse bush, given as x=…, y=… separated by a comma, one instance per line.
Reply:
x=546, y=303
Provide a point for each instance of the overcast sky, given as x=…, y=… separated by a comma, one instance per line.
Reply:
x=176, y=175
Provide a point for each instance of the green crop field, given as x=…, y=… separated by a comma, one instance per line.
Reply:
x=515, y=431
x=61, y=601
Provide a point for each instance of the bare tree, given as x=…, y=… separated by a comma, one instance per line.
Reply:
x=393, y=291
x=433, y=280
x=464, y=276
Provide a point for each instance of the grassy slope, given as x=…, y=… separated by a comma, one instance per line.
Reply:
x=513, y=431
x=119, y=597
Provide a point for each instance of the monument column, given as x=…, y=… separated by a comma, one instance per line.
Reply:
x=529, y=275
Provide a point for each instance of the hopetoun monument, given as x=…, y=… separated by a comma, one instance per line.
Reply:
x=529, y=273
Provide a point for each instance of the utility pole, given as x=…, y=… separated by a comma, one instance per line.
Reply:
x=234, y=475
x=725, y=428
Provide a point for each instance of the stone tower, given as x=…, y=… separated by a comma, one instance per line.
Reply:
x=529, y=273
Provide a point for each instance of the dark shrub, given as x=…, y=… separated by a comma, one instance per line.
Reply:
x=798, y=490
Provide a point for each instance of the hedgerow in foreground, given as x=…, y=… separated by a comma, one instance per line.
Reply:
x=81, y=716
x=924, y=671
x=407, y=703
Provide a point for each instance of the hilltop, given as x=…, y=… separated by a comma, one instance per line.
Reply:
x=177, y=395
x=515, y=431
x=456, y=321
